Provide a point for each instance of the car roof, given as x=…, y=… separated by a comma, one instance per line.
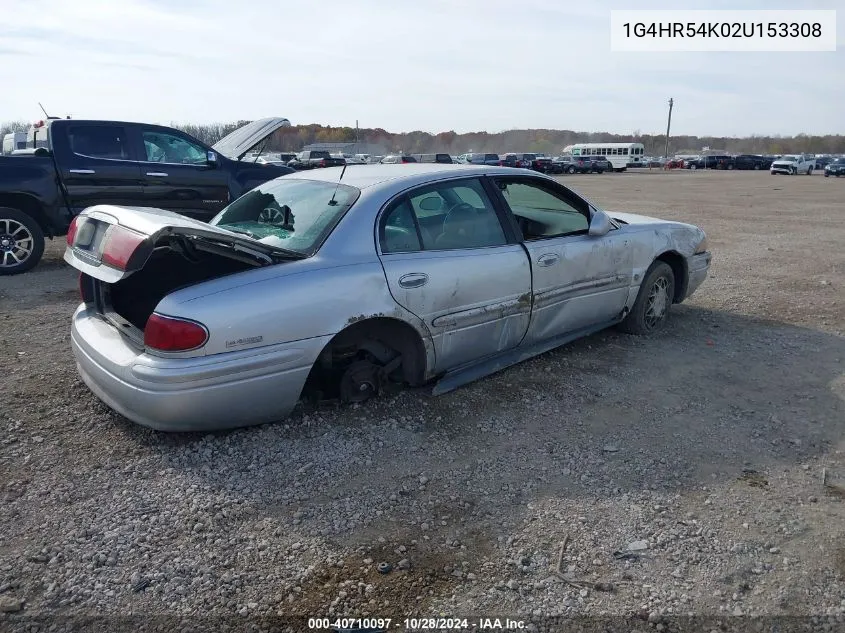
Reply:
x=363, y=176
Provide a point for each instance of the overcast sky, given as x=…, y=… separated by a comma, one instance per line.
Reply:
x=432, y=65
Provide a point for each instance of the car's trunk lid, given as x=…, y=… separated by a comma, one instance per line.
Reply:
x=111, y=242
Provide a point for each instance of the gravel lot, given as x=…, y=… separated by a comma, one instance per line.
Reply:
x=683, y=470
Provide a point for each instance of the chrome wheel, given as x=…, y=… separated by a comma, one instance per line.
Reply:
x=16, y=243
x=658, y=301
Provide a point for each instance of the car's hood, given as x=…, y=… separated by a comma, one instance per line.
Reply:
x=633, y=218
x=784, y=161
x=239, y=142
x=119, y=240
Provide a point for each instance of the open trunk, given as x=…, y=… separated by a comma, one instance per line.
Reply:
x=136, y=297
x=131, y=258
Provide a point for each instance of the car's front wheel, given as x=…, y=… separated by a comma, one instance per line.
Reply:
x=654, y=301
x=21, y=242
x=810, y=171
x=571, y=169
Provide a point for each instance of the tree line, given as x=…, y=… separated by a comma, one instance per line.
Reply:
x=294, y=138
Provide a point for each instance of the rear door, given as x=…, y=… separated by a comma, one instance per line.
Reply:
x=176, y=174
x=450, y=260
x=97, y=166
x=580, y=281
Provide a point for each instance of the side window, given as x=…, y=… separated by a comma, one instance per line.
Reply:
x=543, y=212
x=625, y=151
x=398, y=233
x=99, y=141
x=451, y=215
x=161, y=147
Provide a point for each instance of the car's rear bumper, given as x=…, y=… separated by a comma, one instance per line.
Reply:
x=698, y=267
x=220, y=391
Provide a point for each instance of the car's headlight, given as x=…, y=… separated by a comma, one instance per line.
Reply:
x=702, y=245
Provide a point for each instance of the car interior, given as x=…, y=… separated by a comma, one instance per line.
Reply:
x=460, y=216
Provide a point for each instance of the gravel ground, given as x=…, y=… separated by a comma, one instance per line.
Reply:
x=683, y=471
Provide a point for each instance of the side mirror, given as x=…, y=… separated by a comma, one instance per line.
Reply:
x=211, y=158
x=600, y=224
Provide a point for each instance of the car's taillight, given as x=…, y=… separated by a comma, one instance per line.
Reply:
x=323, y=163
x=72, y=229
x=120, y=244
x=169, y=334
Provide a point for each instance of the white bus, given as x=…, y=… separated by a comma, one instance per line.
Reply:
x=620, y=155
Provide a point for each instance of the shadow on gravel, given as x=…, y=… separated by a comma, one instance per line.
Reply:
x=712, y=394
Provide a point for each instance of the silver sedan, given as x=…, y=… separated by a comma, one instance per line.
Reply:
x=338, y=281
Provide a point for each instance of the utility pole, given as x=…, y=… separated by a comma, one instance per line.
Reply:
x=357, y=149
x=668, y=126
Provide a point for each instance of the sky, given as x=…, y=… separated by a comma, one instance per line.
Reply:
x=402, y=65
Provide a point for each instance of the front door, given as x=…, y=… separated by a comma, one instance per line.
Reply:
x=580, y=281
x=176, y=175
x=449, y=260
x=100, y=168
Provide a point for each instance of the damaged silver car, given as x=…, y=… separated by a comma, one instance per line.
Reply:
x=340, y=280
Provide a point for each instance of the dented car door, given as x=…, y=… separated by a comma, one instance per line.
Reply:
x=448, y=260
x=580, y=280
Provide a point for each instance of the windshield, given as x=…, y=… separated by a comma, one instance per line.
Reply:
x=793, y=158
x=839, y=161
x=291, y=214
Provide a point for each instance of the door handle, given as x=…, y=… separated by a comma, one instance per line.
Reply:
x=413, y=280
x=549, y=259
x=82, y=171
x=157, y=174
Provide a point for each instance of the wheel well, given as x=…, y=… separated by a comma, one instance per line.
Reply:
x=30, y=206
x=374, y=333
x=678, y=264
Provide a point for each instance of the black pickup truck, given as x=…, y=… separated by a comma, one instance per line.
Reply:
x=313, y=159
x=114, y=162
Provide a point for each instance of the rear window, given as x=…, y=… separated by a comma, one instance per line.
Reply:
x=99, y=141
x=289, y=213
x=491, y=157
x=320, y=155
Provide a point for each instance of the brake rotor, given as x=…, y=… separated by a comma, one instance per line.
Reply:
x=360, y=381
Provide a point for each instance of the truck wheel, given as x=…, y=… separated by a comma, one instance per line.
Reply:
x=653, y=301
x=21, y=242
x=810, y=171
x=571, y=169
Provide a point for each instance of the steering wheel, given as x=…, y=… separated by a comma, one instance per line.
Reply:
x=454, y=213
x=271, y=215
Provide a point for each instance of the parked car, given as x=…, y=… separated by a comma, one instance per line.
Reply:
x=315, y=159
x=444, y=159
x=458, y=273
x=482, y=159
x=575, y=164
x=835, y=168
x=793, y=164
x=135, y=164
x=517, y=160
x=281, y=160
x=751, y=161
x=715, y=161
x=397, y=158
x=823, y=161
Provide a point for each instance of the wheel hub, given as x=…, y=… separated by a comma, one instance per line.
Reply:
x=361, y=381
x=16, y=243
x=658, y=300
